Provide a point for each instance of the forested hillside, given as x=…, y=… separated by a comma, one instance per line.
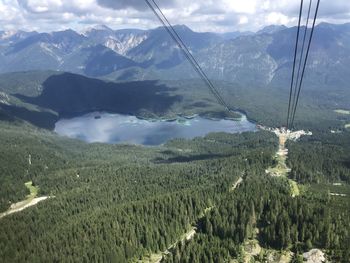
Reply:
x=258, y=59
x=126, y=200
x=41, y=98
x=267, y=180
x=118, y=203
x=127, y=203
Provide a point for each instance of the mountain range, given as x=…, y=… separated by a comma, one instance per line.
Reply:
x=263, y=58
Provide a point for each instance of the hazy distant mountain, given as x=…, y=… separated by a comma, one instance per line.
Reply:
x=9, y=37
x=159, y=50
x=41, y=51
x=120, y=41
x=262, y=58
x=103, y=61
x=235, y=34
x=266, y=58
x=271, y=29
x=113, y=49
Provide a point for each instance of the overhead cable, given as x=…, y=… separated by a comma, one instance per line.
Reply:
x=294, y=62
x=178, y=40
x=301, y=57
x=304, y=66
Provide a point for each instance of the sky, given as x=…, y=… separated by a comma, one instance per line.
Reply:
x=200, y=15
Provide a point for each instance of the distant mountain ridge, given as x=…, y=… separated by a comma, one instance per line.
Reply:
x=72, y=51
x=261, y=58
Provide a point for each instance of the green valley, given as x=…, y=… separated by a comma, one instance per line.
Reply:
x=122, y=203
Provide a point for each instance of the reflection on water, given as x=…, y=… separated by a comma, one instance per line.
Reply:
x=117, y=128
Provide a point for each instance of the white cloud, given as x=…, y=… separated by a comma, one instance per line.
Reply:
x=239, y=6
x=243, y=20
x=41, y=6
x=209, y=15
x=277, y=18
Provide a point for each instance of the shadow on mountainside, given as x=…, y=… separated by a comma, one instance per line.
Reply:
x=42, y=119
x=70, y=94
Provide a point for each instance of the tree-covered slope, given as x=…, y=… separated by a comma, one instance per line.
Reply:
x=118, y=203
x=109, y=195
x=43, y=97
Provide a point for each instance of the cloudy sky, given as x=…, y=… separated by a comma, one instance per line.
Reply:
x=200, y=15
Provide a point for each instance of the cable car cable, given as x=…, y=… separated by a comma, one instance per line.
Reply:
x=190, y=55
x=294, y=61
x=306, y=57
x=301, y=55
x=172, y=32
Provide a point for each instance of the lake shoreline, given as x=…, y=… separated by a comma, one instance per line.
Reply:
x=104, y=127
x=220, y=115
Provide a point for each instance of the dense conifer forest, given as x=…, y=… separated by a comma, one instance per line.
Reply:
x=117, y=203
x=125, y=203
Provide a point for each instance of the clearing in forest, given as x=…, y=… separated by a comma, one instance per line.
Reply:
x=347, y=112
x=281, y=168
x=253, y=252
x=30, y=200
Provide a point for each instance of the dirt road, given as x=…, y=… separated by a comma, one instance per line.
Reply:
x=30, y=200
x=17, y=207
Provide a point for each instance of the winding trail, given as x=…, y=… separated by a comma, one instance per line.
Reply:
x=279, y=170
x=157, y=258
